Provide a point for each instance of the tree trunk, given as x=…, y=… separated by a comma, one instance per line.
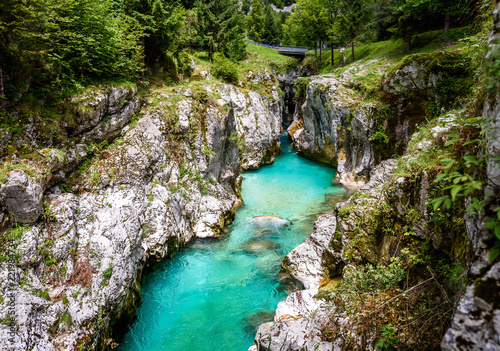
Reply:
x=331, y=48
x=210, y=53
x=446, y=28
x=408, y=43
x=316, y=54
x=446, y=23
x=352, y=50
x=320, y=49
x=143, y=57
x=2, y=92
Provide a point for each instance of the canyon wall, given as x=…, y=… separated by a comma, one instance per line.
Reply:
x=131, y=181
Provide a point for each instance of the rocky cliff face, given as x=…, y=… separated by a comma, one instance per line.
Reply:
x=384, y=224
x=287, y=81
x=476, y=322
x=258, y=124
x=336, y=123
x=388, y=254
x=74, y=269
x=301, y=320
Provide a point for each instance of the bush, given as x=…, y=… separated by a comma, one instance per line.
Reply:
x=224, y=69
x=107, y=273
x=184, y=64
x=370, y=279
x=66, y=318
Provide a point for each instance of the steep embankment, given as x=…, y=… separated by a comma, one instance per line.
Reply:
x=390, y=267
x=351, y=122
x=130, y=180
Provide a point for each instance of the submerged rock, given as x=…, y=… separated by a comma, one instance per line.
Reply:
x=268, y=221
x=261, y=246
x=287, y=283
x=254, y=320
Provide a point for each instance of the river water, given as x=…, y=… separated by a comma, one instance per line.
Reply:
x=213, y=294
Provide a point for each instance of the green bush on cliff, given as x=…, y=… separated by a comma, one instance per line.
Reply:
x=300, y=87
x=379, y=136
x=369, y=279
x=225, y=69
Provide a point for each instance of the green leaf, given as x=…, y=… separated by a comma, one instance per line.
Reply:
x=447, y=203
x=478, y=185
x=440, y=177
x=474, y=207
x=448, y=162
x=490, y=223
x=472, y=142
x=495, y=251
x=437, y=202
x=497, y=231
x=471, y=159
x=455, y=190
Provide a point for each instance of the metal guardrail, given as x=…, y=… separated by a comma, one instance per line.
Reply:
x=291, y=50
x=284, y=48
x=272, y=46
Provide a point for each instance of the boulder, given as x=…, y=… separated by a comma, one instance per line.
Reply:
x=21, y=195
x=476, y=323
x=318, y=256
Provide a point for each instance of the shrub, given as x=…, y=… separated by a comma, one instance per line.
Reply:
x=108, y=272
x=66, y=318
x=372, y=279
x=224, y=69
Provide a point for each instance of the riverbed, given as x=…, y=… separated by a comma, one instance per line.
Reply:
x=214, y=293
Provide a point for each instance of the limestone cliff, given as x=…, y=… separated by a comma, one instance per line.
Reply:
x=392, y=268
x=339, y=122
x=133, y=181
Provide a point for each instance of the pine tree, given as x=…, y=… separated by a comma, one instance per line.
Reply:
x=161, y=22
x=220, y=29
x=408, y=15
x=272, y=28
x=352, y=20
x=255, y=21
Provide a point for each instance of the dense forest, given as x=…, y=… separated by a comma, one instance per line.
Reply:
x=62, y=44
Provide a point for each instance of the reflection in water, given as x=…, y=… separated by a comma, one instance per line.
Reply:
x=214, y=293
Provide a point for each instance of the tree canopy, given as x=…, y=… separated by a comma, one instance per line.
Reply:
x=62, y=43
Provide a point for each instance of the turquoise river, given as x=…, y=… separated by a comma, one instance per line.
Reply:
x=213, y=293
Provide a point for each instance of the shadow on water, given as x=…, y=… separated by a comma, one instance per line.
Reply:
x=214, y=293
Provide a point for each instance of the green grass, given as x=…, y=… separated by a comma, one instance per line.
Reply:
x=259, y=57
x=393, y=50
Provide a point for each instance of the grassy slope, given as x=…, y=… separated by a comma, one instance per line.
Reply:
x=418, y=321
x=393, y=50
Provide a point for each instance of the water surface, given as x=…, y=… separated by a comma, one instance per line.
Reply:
x=213, y=294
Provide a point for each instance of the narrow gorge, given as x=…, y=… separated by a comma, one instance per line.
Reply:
x=356, y=208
